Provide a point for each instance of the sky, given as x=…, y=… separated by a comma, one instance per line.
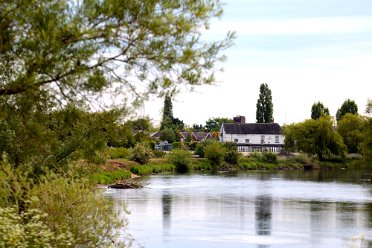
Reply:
x=305, y=50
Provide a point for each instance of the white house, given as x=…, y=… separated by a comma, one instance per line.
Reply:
x=253, y=136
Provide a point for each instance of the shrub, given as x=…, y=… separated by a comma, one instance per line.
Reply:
x=117, y=152
x=215, y=153
x=269, y=157
x=179, y=146
x=302, y=158
x=232, y=154
x=110, y=177
x=53, y=211
x=199, y=149
x=141, y=154
x=181, y=159
x=158, y=153
x=192, y=145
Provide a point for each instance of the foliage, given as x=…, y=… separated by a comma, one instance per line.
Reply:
x=181, y=159
x=215, y=153
x=107, y=177
x=198, y=128
x=351, y=128
x=318, y=110
x=367, y=142
x=180, y=145
x=214, y=124
x=29, y=229
x=158, y=153
x=315, y=137
x=117, y=152
x=141, y=154
x=60, y=47
x=199, y=149
x=232, y=154
x=269, y=157
x=349, y=106
x=302, y=158
x=192, y=145
x=53, y=211
x=369, y=106
x=170, y=135
x=264, y=112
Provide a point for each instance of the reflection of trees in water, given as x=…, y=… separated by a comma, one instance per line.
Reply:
x=167, y=208
x=263, y=210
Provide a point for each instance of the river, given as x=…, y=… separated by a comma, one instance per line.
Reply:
x=253, y=209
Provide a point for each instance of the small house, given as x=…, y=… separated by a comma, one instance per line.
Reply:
x=253, y=136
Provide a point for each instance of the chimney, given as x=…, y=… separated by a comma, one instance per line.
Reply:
x=239, y=119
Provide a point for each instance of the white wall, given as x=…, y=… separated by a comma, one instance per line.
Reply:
x=253, y=138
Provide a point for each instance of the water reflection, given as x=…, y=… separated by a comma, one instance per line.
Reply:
x=263, y=213
x=252, y=210
x=166, y=201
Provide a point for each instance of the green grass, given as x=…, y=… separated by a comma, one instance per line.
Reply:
x=106, y=177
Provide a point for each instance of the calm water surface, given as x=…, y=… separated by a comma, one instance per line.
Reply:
x=256, y=209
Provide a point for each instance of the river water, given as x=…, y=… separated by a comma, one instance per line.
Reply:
x=253, y=209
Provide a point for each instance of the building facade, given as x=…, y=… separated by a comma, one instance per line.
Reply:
x=253, y=136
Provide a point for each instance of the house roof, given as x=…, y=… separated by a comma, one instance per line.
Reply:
x=252, y=128
x=199, y=136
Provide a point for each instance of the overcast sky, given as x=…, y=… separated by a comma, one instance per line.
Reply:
x=305, y=50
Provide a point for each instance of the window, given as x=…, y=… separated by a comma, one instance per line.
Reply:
x=262, y=139
x=276, y=138
x=236, y=140
x=247, y=141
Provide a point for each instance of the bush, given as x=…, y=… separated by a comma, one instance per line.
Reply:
x=158, y=153
x=192, y=145
x=199, y=149
x=181, y=159
x=269, y=157
x=302, y=158
x=179, y=146
x=232, y=154
x=53, y=211
x=117, y=152
x=215, y=153
x=141, y=154
x=141, y=170
x=110, y=177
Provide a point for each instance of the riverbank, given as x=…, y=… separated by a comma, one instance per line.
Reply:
x=122, y=169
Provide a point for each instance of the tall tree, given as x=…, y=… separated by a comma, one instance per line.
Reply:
x=264, y=112
x=167, y=119
x=318, y=110
x=349, y=106
x=369, y=106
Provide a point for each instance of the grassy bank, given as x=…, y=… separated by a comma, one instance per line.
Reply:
x=121, y=169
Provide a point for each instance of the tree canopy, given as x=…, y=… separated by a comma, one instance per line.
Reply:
x=264, y=112
x=315, y=137
x=214, y=124
x=71, y=50
x=318, y=110
x=349, y=106
x=351, y=128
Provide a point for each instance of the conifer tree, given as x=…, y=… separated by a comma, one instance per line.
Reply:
x=264, y=112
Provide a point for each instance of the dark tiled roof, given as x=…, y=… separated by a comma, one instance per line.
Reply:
x=199, y=136
x=252, y=128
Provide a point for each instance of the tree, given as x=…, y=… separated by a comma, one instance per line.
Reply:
x=369, y=106
x=315, y=137
x=170, y=127
x=76, y=49
x=264, y=112
x=318, y=110
x=366, y=146
x=351, y=128
x=214, y=124
x=349, y=106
